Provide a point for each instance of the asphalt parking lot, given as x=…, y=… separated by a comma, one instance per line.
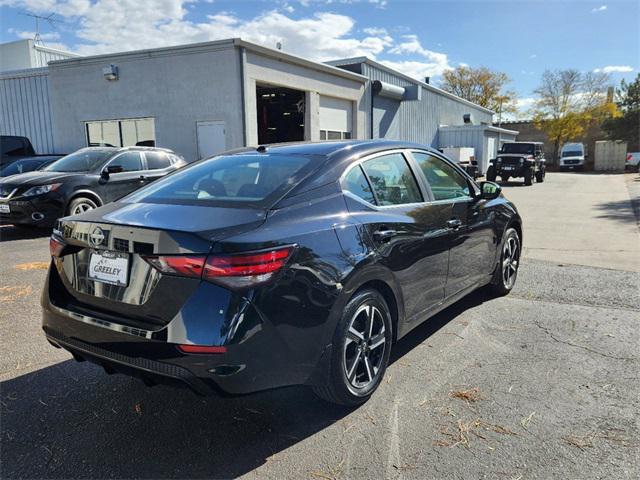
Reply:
x=542, y=384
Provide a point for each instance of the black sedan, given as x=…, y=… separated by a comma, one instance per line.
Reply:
x=82, y=181
x=297, y=264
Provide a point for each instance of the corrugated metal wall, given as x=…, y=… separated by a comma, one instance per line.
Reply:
x=25, y=107
x=41, y=56
x=415, y=120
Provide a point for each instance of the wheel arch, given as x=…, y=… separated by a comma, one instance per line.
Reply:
x=83, y=193
x=389, y=296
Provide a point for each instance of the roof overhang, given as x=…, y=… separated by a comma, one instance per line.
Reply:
x=208, y=47
x=489, y=128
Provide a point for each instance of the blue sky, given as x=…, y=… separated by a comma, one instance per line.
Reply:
x=421, y=38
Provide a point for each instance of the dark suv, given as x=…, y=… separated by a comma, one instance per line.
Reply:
x=519, y=159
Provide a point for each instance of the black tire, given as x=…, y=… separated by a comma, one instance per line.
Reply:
x=491, y=174
x=540, y=176
x=81, y=203
x=349, y=351
x=528, y=176
x=501, y=285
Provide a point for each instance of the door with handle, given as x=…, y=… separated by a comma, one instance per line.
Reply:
x=470, y=229
x=408, y=234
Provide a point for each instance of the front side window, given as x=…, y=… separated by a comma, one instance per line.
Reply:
x=129, y=161
x=392, y=180
x=356, y=183
x=445, y=181
x=233, y=180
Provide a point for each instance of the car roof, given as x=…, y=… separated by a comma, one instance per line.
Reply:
x=124, y=149
x=336, y=150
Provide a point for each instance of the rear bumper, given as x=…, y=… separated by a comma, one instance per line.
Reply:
x=261, y=353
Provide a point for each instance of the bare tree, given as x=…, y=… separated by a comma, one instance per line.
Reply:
x=568, y=102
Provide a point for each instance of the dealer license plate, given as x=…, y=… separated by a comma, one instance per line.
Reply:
x=4, y=208
x=109, y=267
x=507, y=168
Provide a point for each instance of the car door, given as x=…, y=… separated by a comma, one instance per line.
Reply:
x=471, y=233
x=119, y=184
x=157, y=164
x=408, y=232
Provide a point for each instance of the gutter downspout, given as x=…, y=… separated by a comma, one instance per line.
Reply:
x=243, y=93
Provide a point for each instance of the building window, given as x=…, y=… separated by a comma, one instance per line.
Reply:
x=127, y=132
x=334, y=135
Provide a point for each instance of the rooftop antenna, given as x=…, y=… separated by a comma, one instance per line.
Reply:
x=49, y=19
x=279, y=45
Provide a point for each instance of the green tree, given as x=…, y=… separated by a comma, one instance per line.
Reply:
x=569, y=102
x=480, y=86
x=627, y=125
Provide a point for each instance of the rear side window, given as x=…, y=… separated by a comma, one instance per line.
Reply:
x=445, y=181
x=157, y=160
x=356, y=183
x=234, y=180
x=392, y=180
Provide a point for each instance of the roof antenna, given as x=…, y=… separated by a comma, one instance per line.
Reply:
x=279, y=45
x=49, y=19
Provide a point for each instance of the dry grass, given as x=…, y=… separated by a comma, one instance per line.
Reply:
x=32, y=266
x=460, y=433
x=9, y=294
x=470, y=396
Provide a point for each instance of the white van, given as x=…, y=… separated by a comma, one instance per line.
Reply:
x=572, y=156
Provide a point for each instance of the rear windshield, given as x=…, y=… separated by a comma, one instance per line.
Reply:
x=235, y=180
x=526, y=148
x=80, y=161
x=572, y=153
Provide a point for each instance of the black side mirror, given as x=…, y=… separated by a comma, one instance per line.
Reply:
x=114, y=169
x=490, y=190
x=109, y=170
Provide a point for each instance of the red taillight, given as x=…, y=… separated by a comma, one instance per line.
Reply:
x=202, y=349
x=245, y=264
x=55, y=246
x=235, y=271
x=181, y=265
x=629, y=157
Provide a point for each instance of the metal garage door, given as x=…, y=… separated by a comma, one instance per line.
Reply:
x=336, y=117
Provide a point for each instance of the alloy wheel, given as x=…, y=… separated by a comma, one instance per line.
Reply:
x=510, y=260
x=364, y=347
x=81, y=208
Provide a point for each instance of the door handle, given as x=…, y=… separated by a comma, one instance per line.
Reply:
x=454, y=223
x=384, y=235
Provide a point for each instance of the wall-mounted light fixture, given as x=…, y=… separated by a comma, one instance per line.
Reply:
x=110, y=72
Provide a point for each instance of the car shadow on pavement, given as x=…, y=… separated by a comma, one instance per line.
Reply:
x=71, y=420
x=9, y=233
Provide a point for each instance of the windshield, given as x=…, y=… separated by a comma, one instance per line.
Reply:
x=80, y=161
x=236, y=180
x=526, y=148
x=572, y=153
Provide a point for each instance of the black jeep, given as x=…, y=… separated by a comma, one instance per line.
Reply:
x=518, y=159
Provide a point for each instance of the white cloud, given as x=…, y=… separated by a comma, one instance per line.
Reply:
x=107, y=26
x=435, y=65
x=614, y=69
x=31, y=35
x=601, y=8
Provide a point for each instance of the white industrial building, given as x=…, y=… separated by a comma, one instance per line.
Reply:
x=205, y=98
